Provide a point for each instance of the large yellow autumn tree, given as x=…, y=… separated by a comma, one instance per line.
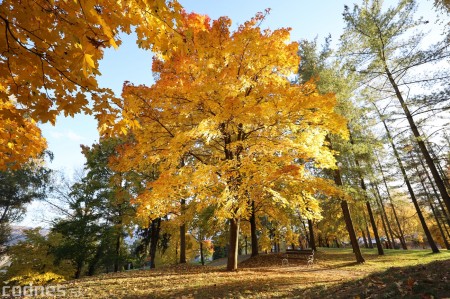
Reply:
x=226, y=126
x=49, y=54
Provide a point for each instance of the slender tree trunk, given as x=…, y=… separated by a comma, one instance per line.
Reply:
x=369, y=237
x=202, y=257
x=347, y=217
x=439, y=167
x=374, y=228
x=154, y=237
x=234, y=244
x=364, y=239
x=444, y=212
x=420, y=141
x=351, y=232
x=402, y=236
x=183, y=234
x=410, y=190
x=388, y=224
x=80, y=265
x=307, y=234
x=117, y=252
x=430, y=202
x=385, y=229
x=369, y=209
x=246, y=244
x=311, y=235
x=254, y=237
x=337, y=242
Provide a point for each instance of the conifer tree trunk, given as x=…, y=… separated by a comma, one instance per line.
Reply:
x=430, y=202
x=369, y=237
x=386, y=224
x=254, y=237
x=364, y=239
x=408, y=185
x=439, y=167
x=234, y=244
x=419, y=139
x=443, y=210
x=312, y=242
x=369, y=209
x=347, y=218
x=375, y=231
x=402, y=236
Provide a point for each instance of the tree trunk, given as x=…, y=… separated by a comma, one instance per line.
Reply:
x=430, y=202
x=312, y=242
x=347, y=218
x=364, y=239
x=369, y=209
x=386, y=225
x=234, y=244
x=420, y=141
x=307, y=235
x=402, y=236
x=374, y=228
x=154, y=237
x=80, y=265
x=444, y=212
x=439, y=167
x=183, y=235
x=117, y=252
x=410, y=190
x=202, y=258
x=254, y=237
x=369, y=237
x=351, y=232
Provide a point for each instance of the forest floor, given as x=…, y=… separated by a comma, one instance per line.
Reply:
x=408, y=274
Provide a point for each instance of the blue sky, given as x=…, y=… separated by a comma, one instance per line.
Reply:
x=308, y=19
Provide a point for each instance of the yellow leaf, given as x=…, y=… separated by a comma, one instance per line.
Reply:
x=89, y=60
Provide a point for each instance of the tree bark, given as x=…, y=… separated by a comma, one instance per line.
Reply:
x=374, y=228
x=419, y=139
x=369, y=237
x=234, y=244
x=312, y=242
x=254, y=237
x=384, y=218
x=402, y=236
x=364, y=239
x=117, y=252
x=183, y=235
x=351, y=232
x=408, y=185
x=347, y=218
x=202, y=258
x=154, y=237
x=444, y=212
x=430, y=202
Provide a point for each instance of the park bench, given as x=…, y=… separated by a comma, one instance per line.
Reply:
x=298, y=254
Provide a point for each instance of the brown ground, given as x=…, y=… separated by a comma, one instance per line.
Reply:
x=416, y=274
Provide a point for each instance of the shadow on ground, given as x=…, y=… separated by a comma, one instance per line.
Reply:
x=423, y=281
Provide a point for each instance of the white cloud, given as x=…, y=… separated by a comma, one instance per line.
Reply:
x=74, y=136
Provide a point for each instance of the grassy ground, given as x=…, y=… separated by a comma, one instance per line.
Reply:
x=410, y=274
